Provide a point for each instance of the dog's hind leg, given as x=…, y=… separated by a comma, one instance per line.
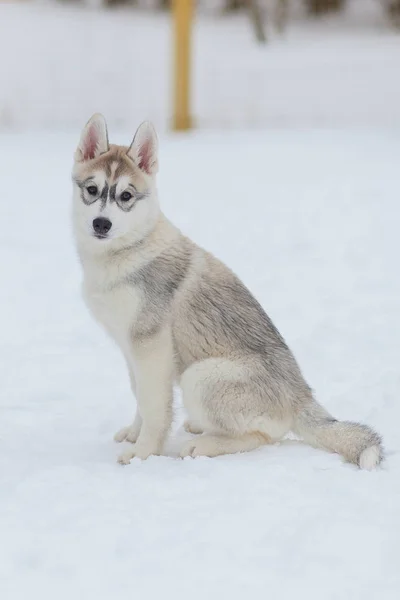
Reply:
x=192, y=427
x=224, y=398
x=214, y=445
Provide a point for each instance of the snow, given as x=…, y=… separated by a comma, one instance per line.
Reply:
x=309, y=220
x=305, y=208
x=65, y=62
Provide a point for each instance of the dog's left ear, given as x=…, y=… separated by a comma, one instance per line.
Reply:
x=94, y=139
x=144, y=148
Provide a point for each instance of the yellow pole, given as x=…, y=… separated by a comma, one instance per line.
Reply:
x=183, y=16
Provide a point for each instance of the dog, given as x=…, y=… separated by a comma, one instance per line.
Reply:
x=181, y=317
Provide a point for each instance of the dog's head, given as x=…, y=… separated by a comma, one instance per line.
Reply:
x=115, y=197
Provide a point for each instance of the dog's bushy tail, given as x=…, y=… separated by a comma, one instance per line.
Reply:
x=357, y=443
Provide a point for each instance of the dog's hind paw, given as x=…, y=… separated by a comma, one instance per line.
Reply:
x=191, y=427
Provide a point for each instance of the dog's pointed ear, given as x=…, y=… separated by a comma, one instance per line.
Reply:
x=94, y=139
x=144, y=148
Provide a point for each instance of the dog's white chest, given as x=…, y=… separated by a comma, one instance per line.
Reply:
x=116, y=309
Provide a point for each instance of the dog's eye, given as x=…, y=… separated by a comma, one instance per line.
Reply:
x=125, y=196
x=92, y=190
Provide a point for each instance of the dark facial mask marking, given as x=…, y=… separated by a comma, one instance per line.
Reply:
x=113, y=190
x=104, y=195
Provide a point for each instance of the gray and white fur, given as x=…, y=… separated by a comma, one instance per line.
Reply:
x=182, y=317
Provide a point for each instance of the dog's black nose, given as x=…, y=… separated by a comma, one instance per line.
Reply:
x=102, y=225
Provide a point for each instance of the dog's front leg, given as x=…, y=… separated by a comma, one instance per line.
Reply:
x=152, y=360
x=131, y=432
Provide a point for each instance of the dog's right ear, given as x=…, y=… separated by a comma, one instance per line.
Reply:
x=94, y=139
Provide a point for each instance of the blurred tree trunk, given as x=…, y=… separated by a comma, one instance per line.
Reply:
x=320, y=7
x=234, y=5
x=393, y=11
x=256, y=13
x=281, y=14
x=257, y=17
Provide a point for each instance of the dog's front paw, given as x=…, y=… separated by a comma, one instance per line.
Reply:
x=121, y=434
x=125, y=457
x=130, y=434
x=138, y=451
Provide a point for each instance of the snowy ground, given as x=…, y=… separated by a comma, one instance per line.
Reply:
x=62, y=62
x=320, y=250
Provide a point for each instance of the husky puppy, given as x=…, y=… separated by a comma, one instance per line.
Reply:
x=182, y=317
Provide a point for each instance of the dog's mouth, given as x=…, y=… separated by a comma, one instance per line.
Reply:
x=100, y=236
